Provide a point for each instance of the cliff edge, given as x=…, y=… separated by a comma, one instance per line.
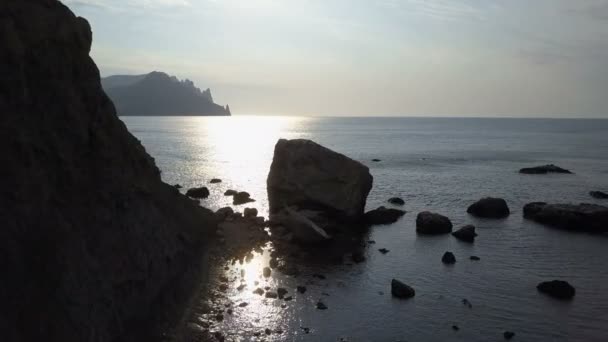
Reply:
x=90, y=236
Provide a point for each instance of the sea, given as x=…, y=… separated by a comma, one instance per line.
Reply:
x=437, y=164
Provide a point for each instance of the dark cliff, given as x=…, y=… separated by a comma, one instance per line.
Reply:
x=157, y=94
x=90, y=237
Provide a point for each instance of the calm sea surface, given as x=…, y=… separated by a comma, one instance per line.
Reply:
x=442, y=165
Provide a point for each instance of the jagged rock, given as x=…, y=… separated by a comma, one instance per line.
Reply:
x=448, y=258
x=307, y=175
x=432, y=223
x=557, y=288
x=489, y=207
x=396, y=201
x=543, y=169
x=250, y=213
x=598, y=194
x=241, y=198
x=466, y=233
x=92, y=239
x=201, y=192
x=215, y=181
x=383, y=215
x=579, y=217
x=401, y=290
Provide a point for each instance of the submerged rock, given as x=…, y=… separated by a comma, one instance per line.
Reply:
x=307, y=175
x=466, y=233
x=396, y=201
x=432, y=223
x=578, y=217
x=321, y=306
x=448, y=258
x=401, y=290
x=598, y=194
x=383, y=215
x=489, y=207
x=201, y=192
x=474, y=258
x=557, y=288
x=92, y=239
x=543, y=169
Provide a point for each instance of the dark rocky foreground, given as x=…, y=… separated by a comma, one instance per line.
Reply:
x=91, y=240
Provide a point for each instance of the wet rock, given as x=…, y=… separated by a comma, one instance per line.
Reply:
x=375, y=160
x=466, y=303
x=321, y=306
x=267, y=331
x=301, y=289
x=358, y=257
x=466, y=233
x=219, y=317
x=598, y=194
x=201, y=192
x=302, y=227
x=396, y=201
x=307, y=175
x=543, y=169
x=241, y=198
x=281, y=292
x=448, y=258
x=288, y=298
x=489, y=207
x=273, y=263
x=383, y=250
x=474, y=258
x=508, y=335
x=557, y=288
x=266, y=272
x=215, y=181
x=272, y=295
x=230, y=192
x=258, y=291
x=383, y=215
x=578, y=217
x=401, y=290
x=432, y=223
x=229, y=311
x=177, y=186
x=250, y=213
x=243, y=304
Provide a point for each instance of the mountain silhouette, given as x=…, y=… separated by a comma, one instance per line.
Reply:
x=158, y=94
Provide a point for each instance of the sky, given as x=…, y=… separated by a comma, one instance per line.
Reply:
x=513, y=58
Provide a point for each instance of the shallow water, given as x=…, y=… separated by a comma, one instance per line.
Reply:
x=442, y=165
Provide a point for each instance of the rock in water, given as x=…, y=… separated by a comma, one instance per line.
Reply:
x=103, y=239
x=307, y=175
x=557, y=288
x=383, y=215
x=401, y=290
x=543, y=169
x=466, y=233
x=448, y=258
x=579, y=217
x=396, y=201
x=201, y=192
x=432, y=223
x=489, y=207
x=241, y=198
x=598, y=194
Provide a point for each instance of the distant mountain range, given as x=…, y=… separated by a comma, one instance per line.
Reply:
x=158, y=94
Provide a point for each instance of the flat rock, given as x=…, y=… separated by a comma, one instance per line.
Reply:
x=432, y=223
x=489, y=207
x=598, y=194
x=557, y=288
x=201, y=192
x=401, y=290
x=466, y=233
x=577, y=217
x=307, y=175
x=543, y=169
x=383, y=215
x=215, y=181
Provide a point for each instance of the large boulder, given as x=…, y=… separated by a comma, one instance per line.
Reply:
x=580, y=217
x=543, y=169
x=489, y=207
x=307, y=175
x=91, y=239
x=432, y=223
x=557, y=288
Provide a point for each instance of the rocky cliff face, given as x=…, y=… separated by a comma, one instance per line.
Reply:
x=90, y=236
